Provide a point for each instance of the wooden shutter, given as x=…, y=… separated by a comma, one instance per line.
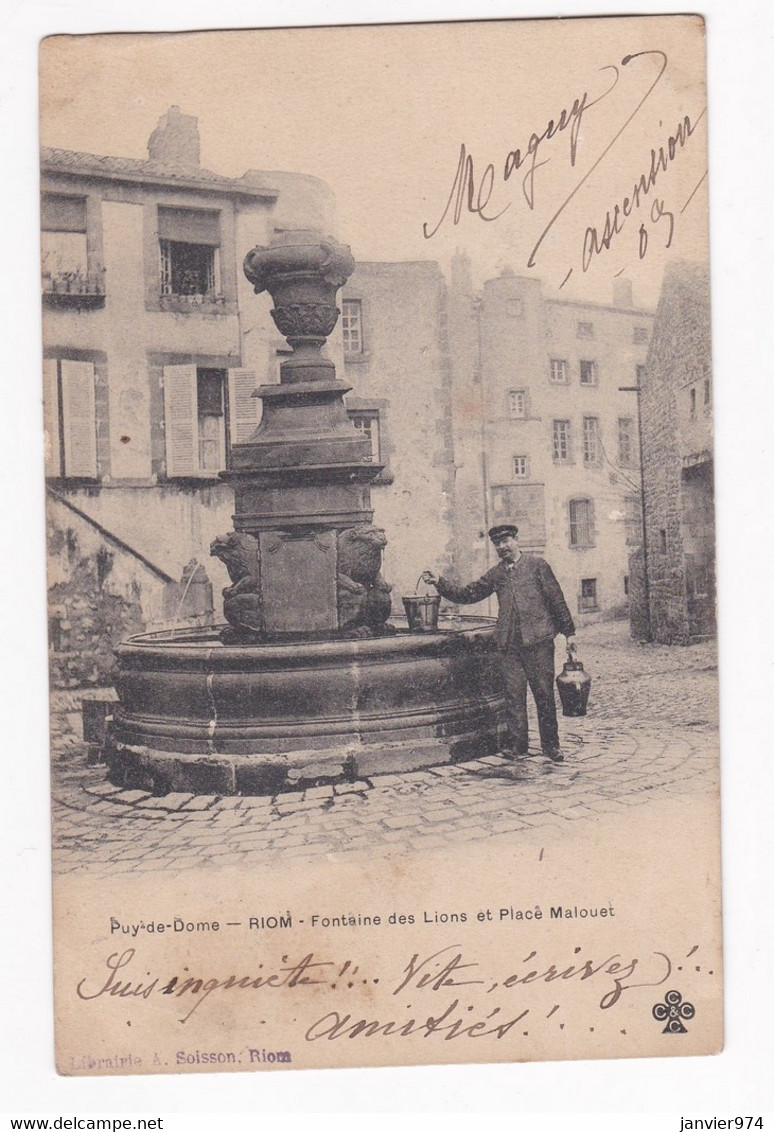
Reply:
x=53, y=455
x=181, y=421
x=78, y=417
x=244, y=409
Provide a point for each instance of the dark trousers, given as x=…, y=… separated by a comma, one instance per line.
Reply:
x=533, y=666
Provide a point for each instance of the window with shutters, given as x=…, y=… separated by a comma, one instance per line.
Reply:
x=206, y=411
x=581, y=514
x=68, y=279
x=189, y=256
x=69, y=419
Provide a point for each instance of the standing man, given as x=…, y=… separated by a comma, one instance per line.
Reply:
x=532, y=610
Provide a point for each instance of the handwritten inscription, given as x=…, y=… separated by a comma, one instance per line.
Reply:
x=483, y=194
x=447, y=971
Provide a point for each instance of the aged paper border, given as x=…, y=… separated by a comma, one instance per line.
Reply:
x=741, y=361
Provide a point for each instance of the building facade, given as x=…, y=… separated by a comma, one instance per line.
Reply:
x=674, y=598
x=153, y=345
x=545, y=427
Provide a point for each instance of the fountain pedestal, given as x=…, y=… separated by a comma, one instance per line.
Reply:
x=309, y=679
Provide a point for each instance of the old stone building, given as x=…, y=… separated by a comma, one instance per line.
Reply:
x=153, y=345
x=545, y=431
x=396, y=357
x=675, y=594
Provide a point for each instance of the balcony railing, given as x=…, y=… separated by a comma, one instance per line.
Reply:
x=74, y=289
x=207, y=301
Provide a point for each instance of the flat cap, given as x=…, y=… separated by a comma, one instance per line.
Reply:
x=502, y=531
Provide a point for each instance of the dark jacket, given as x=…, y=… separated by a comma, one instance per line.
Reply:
x=531, y=603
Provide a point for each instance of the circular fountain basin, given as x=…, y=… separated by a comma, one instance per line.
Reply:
x=199, y=716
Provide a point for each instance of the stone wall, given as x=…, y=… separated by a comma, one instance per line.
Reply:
x=676, y=438
x=102, y=589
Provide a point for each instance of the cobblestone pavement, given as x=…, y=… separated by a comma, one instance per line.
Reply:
x=651, y=729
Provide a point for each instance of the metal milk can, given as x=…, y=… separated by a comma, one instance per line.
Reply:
x=574, y=685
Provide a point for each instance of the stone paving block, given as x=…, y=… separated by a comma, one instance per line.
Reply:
x=508, y=825
x=129, y=797
x=447, y=770
x=400, y=821
x=378, y=780
x=245, y=844
x=439, y=814
x=289, y=796
x=200, y=802
x=226, y=819
x=318, y=793
x=342, y=788
x=133, y=854
x=288, y=841
x=103, y=788
x=232, y=802
x=155, y=804
x=105, y=807
x=175, y=799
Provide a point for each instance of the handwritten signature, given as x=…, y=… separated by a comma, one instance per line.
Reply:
x=474, y=194
x=441, y=972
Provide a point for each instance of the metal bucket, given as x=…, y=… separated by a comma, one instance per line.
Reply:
x=422, y=612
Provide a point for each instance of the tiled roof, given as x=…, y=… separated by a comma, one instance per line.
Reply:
x=133, y=169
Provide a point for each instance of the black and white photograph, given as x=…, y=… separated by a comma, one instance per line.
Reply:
x=380, y=523
x=379, y=378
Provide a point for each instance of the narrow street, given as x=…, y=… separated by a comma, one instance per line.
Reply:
x=651, y=728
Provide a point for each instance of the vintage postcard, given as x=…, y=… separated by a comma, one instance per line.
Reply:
x=379, y=478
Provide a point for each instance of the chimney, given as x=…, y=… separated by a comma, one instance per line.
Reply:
x=175, y=141
x=622, y=293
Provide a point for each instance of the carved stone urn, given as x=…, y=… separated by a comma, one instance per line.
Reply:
x=301, y=481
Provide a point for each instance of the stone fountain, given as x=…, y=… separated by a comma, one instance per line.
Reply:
x=311, y=679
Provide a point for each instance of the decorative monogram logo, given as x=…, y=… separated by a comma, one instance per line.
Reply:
x=674, y=1012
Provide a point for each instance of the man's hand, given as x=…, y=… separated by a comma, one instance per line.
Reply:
x=430, y=578
x=571, y=645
